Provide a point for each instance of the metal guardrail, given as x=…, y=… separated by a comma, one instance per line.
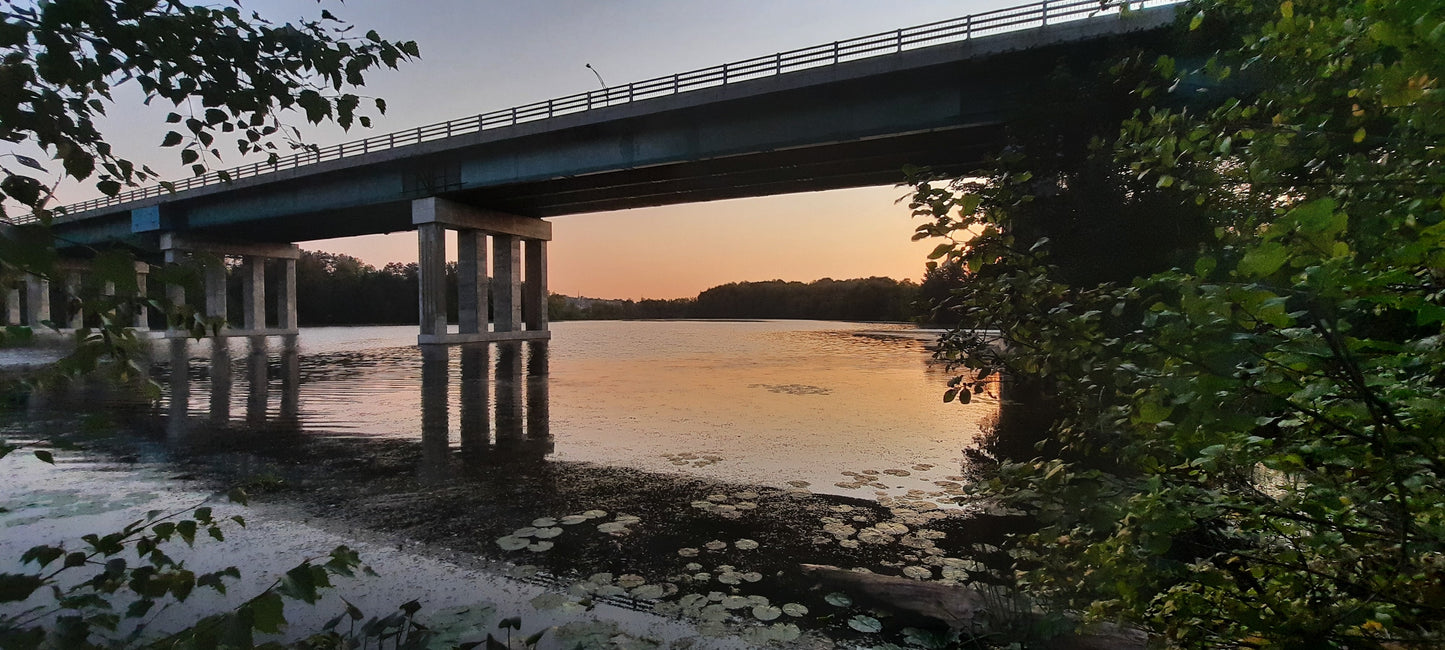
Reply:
x=1037, y=14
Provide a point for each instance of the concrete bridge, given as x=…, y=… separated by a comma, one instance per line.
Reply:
x=845, y=114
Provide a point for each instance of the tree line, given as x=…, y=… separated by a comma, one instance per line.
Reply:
x=338, y=289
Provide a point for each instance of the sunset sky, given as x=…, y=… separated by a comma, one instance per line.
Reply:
x=480, y=56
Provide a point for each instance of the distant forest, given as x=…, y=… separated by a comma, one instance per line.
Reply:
x=335, y=289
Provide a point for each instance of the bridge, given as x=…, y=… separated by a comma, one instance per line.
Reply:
x=850, y=113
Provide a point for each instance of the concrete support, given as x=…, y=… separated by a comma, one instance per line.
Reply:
x=12, y=308
x=471, y=281
x=72, y=293
x=216, y=288
x=286, y=296
x=253, y=300
x=37, y=297
x=507, y=288
x=534, y=305
x=431, y=267
x=142, y=320
x=253, y=293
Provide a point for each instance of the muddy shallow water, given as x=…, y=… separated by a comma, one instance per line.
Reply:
x=681, y=467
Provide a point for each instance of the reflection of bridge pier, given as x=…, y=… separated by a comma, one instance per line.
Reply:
x=520, y=416
x=220, y=371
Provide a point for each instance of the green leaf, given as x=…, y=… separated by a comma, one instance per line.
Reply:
x=1263, y=260
x=171, y=139
x=15, y=587
x=44, y=456
x=268, y=613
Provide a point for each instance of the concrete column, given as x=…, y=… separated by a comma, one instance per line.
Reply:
x=471, y=281
x=142, y=313
x=431, y=269
x=72, y=292
x=535, y=302
x=253, y=293
x=286, y=296
x=216, y=289
x=12, y=308
x=507, y=289
x=37, y=295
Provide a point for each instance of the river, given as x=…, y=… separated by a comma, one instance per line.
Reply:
x=818, y=442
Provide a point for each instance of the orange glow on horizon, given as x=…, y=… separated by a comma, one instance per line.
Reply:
x=678, y=251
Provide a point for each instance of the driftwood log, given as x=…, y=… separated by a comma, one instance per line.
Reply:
x=958, y=607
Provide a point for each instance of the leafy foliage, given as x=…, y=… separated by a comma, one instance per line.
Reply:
x=1247, y=437
x=227, y=74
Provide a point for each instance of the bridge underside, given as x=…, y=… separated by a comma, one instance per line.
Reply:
x=803, y=169
x=850, y=124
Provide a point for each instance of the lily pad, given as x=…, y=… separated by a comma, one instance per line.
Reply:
x=548, y=533
x=544, y=522
x=687, y=552
x=627, y=519
x=612, y=528
x=838, y=599
x=730, y=578
x=715, y=545
x=649, y=592
x=526, y=531
x=918, y=572
x=511, y=543
x=594, y=514
x=745, y=544
x=752, y=576
x=692, y=566
x=892, y=528
x=865, y=624
x=538, y=547
x=573, y=520
x=549, y=600
x=794, y=609
x=735, y=602
x=630, y=580
x=766, y=612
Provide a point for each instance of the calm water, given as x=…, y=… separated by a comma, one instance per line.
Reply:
x=755, y=402
x=725, y=457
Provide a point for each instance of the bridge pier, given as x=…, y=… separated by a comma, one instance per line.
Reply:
x=518, y=303
x=75, y=274
x=254, y=257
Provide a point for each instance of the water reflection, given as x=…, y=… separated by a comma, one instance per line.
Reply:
x=520, y=418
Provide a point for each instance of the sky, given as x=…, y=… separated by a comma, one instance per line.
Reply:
x=479, y=56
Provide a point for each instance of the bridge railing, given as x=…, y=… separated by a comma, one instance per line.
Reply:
x=1037, y=14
